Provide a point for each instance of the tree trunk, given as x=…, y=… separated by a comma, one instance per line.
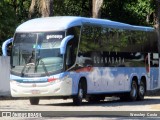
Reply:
x=96, y=9
x=157, y=21
x=44, y=7
x=157, y=13
x=32, y=8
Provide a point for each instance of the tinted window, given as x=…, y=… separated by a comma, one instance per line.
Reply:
x=95, y=38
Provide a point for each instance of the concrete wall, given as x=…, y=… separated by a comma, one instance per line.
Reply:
x=4, y=76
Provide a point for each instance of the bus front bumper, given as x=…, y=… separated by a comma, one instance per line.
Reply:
x=60, y=88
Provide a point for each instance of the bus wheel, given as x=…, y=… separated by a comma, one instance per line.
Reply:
x=34, y=101
x=133, y=92
x=141, y=91
x=77, y=100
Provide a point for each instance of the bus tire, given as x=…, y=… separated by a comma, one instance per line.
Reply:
x=34, y=101
x=77, y=100
x=141, y=91
x=133, y=93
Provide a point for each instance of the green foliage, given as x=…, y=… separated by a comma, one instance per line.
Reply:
x=12, y=13
x=7, y=21
x=129, y=11
x=22, y=10
x=73, y=7
x=140, y=9
x=137, y=12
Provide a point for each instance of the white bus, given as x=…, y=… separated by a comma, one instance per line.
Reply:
x=83, y=58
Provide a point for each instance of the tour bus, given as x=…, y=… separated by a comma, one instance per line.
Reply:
x=82, y=58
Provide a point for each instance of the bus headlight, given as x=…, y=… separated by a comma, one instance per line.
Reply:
x=52, y=79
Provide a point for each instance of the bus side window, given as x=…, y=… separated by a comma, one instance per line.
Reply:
x=72, y=46
x=68, y=55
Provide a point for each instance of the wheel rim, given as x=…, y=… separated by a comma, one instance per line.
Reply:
x=80, y=93
x=141, y=90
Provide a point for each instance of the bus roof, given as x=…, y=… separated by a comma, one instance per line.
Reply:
x=63, y=22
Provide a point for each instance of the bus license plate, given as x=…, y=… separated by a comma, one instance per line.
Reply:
x=35, y=92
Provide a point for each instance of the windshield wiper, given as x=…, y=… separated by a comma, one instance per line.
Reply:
x=43, y=65
x=27, y=63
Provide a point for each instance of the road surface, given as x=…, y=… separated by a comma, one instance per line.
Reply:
x=59, y=109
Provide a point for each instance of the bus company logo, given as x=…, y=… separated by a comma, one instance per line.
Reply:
x=6, y=114
x=54, y=36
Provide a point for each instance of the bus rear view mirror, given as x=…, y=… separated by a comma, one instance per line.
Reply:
x=5, y=45
x=64, y=43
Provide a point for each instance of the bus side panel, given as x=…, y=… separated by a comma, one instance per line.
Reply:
x=154, y=78
x=114, y=80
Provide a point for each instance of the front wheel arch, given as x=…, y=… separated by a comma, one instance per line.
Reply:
x=81, y=93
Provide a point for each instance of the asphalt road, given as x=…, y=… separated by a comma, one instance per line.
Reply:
x=111, y=108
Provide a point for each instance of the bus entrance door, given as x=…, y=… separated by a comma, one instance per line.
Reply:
x=153, y=69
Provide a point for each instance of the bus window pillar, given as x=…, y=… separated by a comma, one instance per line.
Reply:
x=147, y=64
x=148, y=71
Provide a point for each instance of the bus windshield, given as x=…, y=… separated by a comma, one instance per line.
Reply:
x=37, y=53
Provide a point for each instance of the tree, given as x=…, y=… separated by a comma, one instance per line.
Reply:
x=96, y=8
x=136, y=12
x=7, y=21
x=73, y=8
x=43, y=7
x=157, y=21
x=128, y=11
x=157, y=14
